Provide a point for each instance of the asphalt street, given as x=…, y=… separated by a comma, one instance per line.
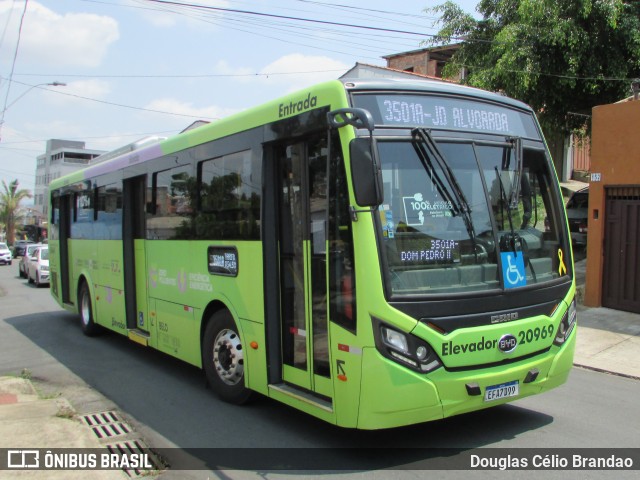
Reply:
x=167, y=403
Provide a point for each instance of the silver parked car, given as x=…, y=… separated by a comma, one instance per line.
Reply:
x=38, y=267
x=24, y=260
x=5, y=254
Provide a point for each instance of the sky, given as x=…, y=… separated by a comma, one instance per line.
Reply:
x=138, y=68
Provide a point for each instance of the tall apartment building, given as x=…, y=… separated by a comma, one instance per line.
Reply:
x=60, y=158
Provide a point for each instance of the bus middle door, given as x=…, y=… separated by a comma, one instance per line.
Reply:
x=134, y=259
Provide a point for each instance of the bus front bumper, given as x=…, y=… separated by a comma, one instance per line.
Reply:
x=393, y=396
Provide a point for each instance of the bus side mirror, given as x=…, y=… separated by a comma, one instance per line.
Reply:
x=366, y=173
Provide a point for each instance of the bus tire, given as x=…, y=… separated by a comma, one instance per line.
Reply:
x=223, y=359
x=89, y=327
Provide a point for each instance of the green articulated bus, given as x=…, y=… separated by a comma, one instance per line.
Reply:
x=375, y=253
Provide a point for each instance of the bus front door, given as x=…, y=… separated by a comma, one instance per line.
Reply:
x=302, y=252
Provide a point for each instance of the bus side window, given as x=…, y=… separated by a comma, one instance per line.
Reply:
x=108, y=213
x=230, y=191
x=171, y=212
x=55, y=216
x=82, y=225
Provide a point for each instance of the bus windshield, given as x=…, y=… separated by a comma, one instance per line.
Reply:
x=481, y=218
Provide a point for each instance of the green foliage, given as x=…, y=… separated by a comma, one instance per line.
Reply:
x=559, y=56
x=10, y=198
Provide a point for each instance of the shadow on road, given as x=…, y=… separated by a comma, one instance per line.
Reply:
x=169, y=396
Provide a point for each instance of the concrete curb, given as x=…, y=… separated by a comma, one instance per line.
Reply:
x=28, y=421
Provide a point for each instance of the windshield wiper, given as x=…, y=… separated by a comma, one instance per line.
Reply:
x=460, y=204
x=515, y=190
x=511, y=240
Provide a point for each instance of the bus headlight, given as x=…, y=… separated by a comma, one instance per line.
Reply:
x=395, y=340
x=567, y=324
x=405, y=349
x=422, y=352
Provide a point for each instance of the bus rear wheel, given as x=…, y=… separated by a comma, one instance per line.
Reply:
x=89, y=327
x=223, y=359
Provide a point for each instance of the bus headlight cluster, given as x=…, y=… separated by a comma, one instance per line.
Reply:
x=395, y=340
x=404, y=348
x=567, y=324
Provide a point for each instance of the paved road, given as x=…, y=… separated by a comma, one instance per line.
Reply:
x=167, y=400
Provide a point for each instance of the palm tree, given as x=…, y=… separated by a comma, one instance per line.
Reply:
x=10, y=199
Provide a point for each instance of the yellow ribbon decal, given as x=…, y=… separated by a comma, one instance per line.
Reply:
x=562, y=268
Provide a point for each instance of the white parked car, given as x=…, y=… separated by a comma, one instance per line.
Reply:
x=24, y=260
x=38, y=266
x=5, y=254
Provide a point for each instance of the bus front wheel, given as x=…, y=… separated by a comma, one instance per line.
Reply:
x=89, y=327
x=223, y=359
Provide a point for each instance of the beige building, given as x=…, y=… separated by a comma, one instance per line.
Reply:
x=60, y=158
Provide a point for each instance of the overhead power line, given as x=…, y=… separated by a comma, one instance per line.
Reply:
x=197, y=75
x=13, y=64
x=117, y=104
x=554, y=75
x=362, y=9
x=273, y=74
x=292, y=18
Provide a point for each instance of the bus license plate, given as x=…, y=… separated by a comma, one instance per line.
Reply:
x=504, y=390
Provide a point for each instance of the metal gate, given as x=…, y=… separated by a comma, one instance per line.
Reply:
x=621, y=277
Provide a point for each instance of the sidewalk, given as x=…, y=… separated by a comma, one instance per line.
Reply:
x=608, y=341
x=29, y=421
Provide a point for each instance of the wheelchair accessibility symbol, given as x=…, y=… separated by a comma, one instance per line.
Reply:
x=513, y=272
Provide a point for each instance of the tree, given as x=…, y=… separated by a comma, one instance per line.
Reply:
x=10, y=199
x=562, y=57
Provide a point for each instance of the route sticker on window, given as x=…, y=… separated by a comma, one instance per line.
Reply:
x=386, y=219
x=223, y=261
x=416, y=208
x=513, y=272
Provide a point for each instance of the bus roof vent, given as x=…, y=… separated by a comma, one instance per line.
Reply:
x=137, y=145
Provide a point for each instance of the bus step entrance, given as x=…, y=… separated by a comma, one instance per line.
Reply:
x=304, y=395
x=139, y=336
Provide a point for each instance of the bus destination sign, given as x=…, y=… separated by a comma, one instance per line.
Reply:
x=437, y=112
x=435, y=252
